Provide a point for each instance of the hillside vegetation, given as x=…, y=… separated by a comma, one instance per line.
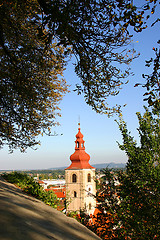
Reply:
x=28, y=185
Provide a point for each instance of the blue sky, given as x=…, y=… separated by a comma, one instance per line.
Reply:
x=100, y=133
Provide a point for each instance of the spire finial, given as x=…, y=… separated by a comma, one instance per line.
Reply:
x=79, y=122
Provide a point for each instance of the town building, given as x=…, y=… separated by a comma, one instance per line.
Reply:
x=80, y=180
x=58, y=187
x=59, y=191
x=46, y=183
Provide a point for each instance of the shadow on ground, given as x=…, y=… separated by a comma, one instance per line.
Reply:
x=25, y=218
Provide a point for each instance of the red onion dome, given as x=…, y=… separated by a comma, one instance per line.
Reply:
x=80, y=159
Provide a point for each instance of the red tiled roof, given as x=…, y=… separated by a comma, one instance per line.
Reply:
x=59, y=193
x=40, y=182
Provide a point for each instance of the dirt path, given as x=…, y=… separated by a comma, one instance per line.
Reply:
x=25, y=218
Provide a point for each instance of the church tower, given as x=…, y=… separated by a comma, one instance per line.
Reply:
x=80, y=180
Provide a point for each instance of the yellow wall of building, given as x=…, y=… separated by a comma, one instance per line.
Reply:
x=85, y=191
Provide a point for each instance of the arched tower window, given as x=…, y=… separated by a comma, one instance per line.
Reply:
x=90, y=206
x=77, y=144
x=89, y=177
x=75, y=194
x=74, y=178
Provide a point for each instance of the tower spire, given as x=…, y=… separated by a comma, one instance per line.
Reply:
x=80, y=159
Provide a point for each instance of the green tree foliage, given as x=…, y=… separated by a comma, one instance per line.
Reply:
x=140, y=189
x=152, y=84
x=129, y=200
x=98, y=32
x=38, y=37
x=152, y=80
x=28, y=185
x=31, y=82
x=98, y=37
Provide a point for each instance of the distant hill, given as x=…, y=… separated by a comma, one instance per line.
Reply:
x=57, y=168
x=98, y=166
x=109, y=165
